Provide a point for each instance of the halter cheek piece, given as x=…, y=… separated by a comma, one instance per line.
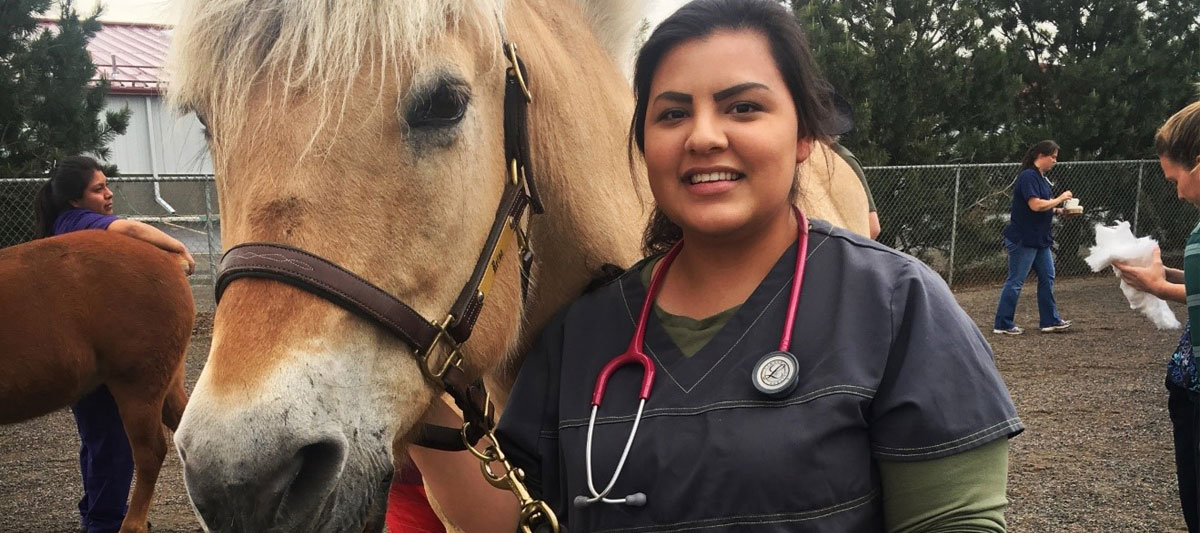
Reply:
x=330, y=281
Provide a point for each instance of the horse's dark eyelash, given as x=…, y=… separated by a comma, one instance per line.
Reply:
x=203, y=122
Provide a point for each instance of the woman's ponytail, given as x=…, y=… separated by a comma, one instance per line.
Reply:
x=44, y=211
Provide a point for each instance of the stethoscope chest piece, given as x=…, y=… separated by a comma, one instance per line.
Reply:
x=776, y=374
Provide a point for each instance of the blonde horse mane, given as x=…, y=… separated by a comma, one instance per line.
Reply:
x=323, y=47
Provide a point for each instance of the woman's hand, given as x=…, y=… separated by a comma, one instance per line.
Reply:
x=1150, y=278
x=190, y=267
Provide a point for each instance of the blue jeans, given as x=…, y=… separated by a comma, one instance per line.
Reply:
x=1020, y=260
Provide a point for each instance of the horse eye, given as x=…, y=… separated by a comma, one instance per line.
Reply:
x=442, y=107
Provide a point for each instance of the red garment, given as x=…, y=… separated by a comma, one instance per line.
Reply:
x=408, y=507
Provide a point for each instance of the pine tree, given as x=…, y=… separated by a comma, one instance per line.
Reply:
x=1100, y=77
x=928, y=82
x=981, y=80
x=50, y=107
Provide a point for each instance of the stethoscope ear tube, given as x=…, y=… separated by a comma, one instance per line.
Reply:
x=600, y=496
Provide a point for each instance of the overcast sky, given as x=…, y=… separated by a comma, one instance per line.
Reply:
x=146, y=11
x=167, y=11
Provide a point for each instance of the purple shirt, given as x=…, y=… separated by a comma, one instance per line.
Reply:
x=80, y=219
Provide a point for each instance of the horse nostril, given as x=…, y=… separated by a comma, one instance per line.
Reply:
x=320, y=464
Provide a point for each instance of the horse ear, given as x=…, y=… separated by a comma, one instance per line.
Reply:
x=616, y=24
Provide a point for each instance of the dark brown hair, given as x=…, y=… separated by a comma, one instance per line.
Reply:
x=810, y=93
x=1040, y=149
x=68, y=180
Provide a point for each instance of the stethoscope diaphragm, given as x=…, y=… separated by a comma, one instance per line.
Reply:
x=776, y=374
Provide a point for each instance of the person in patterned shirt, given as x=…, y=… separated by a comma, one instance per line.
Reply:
x=1178, y=146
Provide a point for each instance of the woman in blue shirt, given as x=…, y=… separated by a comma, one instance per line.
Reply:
x=1028, y=238
x=77, y=198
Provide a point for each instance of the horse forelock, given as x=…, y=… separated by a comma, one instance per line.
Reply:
x=222, y=48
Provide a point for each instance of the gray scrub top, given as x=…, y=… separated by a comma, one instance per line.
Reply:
x=891, y=368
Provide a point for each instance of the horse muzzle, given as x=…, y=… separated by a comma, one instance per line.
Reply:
x=279, y=488
x=253, y=477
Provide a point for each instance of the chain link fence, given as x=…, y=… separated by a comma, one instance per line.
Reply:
x=182, y=205
x=949, y=216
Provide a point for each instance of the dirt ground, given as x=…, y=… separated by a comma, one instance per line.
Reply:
x=1097, y=454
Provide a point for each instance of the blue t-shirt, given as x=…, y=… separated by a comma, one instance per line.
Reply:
x=80, y=219
x=1028, y=227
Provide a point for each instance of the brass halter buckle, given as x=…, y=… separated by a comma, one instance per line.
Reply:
x=454, y=358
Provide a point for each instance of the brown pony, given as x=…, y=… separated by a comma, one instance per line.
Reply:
x=93, y=308
x=371, y=134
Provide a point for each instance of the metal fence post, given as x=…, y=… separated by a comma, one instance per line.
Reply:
x=1137, y=202
x=954, y=223
x=208, y=232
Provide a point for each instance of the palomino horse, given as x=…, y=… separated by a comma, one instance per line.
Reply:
x=94, y=308
x=373, y=134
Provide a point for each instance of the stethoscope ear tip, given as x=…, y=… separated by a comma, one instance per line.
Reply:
x=636, y=499
x=581, y=501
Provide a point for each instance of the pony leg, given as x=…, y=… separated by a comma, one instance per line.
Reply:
x=176, y=399
x=143, y=424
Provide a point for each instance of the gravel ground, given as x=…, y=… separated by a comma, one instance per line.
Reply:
x=1097, y=454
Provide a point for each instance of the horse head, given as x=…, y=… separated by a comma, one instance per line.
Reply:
x=372, y=134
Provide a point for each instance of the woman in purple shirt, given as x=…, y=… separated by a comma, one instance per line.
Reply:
x=76, y=198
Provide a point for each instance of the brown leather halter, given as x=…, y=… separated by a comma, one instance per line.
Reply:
x=330, y=281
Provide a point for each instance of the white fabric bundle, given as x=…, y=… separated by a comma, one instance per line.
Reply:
x=1117, y=243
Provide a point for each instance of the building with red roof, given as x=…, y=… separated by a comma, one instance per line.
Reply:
x=132, y=56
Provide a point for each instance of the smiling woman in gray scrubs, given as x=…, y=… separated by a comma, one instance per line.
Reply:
x=898, y=419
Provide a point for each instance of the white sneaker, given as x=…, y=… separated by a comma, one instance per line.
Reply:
x=1060, y=326
x=1010, y=331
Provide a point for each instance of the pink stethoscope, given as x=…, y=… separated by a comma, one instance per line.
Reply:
x=775, y=374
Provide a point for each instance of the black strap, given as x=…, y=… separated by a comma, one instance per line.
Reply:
x=443, y=438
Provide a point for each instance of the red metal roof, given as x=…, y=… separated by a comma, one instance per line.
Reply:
x=131, y=56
